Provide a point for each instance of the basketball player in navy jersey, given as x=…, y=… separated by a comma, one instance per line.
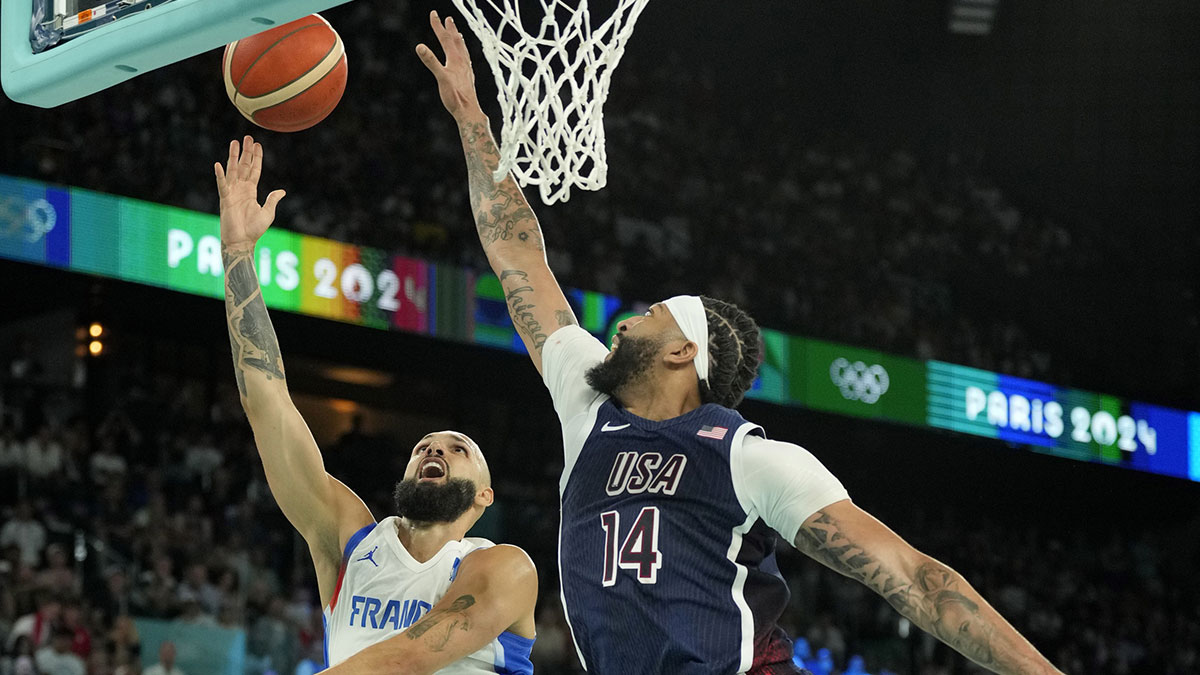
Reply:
x=670, y=500
x=410, y=593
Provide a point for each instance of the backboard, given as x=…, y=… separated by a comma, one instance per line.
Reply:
x=115, y=40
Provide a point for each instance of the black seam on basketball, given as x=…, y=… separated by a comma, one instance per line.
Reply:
x=306, y=120
x=301, y=77
x=238, y=87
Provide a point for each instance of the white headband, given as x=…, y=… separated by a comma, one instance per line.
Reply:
x=689, y=313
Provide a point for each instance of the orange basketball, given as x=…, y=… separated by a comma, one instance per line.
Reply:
x=287, y=78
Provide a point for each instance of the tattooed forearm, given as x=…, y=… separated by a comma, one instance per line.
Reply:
x=251, y=334
x=565, y=317
x=446, y=621
x=516, y=288
x=933, y=596
x=501, y=212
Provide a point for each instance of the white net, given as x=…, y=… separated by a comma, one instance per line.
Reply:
x=552, y=86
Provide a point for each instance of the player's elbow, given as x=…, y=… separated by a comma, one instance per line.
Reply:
x=507, y=256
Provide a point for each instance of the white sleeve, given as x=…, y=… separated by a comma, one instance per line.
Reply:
x=567, y=354
x=783, y=482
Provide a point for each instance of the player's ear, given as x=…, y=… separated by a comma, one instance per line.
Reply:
x=681, y=353
x=485, y=497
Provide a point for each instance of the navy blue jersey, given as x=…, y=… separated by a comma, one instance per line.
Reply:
x=663, y=570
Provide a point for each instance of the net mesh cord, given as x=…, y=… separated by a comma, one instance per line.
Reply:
x=552, y=86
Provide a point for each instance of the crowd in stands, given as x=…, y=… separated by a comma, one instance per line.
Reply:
x=155, y=507
x=156, y=511
x=828, y=235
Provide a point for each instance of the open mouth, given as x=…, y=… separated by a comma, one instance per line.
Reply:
x=432, y=469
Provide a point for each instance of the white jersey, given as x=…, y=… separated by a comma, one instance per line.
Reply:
x=382, y=590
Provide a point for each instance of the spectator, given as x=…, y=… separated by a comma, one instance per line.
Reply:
x=43, y=455
x=553, y=650
x=166, y=661
x=193, y=614
x=73, y=621
x=198, y=589
x=124, y=642
x=99, y=663
x=272, y=640
x=39, y=625
x=112, y=598
x=24, y=365
x=106, y=466
x=12, y=459
x=202, y=458
x=57, y=657
x=155, y=594
x=58, y=576
x=26, y=532
x=22, y=659
x=829, y=636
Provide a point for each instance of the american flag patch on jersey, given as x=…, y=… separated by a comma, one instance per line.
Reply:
x=712, y=432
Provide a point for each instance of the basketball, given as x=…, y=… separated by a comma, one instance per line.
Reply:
x=288, y=78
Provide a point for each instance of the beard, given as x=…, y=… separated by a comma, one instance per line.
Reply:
x=433, y=503
x=632, y=361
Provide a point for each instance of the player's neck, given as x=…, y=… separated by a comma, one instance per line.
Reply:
x=661, y=398
x=424, y=540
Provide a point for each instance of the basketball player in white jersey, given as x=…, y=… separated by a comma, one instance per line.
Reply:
x=656, y=456
x=409, y=594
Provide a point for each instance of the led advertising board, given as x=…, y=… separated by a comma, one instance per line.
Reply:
x=173, y=248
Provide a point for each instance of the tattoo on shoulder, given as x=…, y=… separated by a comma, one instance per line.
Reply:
x=516, y=288
x=446, y=621
x=931, y=597
x=565, y=317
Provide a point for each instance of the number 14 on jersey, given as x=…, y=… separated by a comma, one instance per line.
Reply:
x=638, y=551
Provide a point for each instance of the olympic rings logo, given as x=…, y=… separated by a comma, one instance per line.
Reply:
x=26, y=221
x=858, y=381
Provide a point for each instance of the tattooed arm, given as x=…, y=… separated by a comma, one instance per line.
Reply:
x=495, y=591
x=507, y=227
x=319, y=506
x=851, y=542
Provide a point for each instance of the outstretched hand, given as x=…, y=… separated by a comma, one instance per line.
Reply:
x=243, y=221
x=455, y=78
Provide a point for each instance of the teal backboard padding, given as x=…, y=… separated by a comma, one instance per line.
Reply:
x=120, y=50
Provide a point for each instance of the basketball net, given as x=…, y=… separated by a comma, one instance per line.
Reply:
x=552, y=88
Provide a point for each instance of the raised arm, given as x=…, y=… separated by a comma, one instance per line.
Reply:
x=507, y=227
x=321, y=508
x=849, y=541
x=495, y=591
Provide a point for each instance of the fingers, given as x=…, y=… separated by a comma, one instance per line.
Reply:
x=273, y=200
x=256, y=160
x=459, y=43
x=429, y=59
x=231, y=164
x=448, y=36
x=246, y=162
x=220, y=173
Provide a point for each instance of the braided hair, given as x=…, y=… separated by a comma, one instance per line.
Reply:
x=733, y=353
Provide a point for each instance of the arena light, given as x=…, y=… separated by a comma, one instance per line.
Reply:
x=96, y=329
x=95, y=347
x=360, y=376
x=972, y=17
